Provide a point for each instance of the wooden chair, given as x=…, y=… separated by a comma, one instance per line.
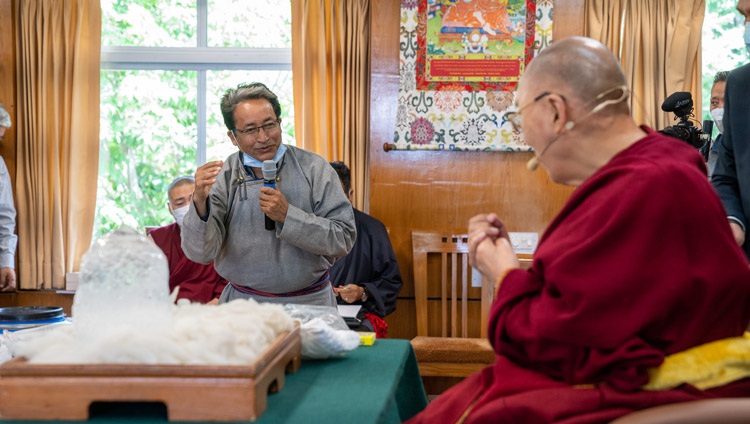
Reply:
x=454, y=350
x=455, y=290
x=452, y=283
x=451, y=340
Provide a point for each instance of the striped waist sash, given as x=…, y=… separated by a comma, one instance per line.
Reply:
x=322, y=282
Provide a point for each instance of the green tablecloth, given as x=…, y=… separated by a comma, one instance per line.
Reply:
x=372, y=384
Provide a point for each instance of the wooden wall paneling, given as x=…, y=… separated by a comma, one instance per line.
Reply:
x=402, y=323
x=440, y=191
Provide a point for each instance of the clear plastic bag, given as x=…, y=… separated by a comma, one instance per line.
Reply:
x=324, y=332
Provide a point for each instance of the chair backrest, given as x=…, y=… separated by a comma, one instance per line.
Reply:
x=451, y=285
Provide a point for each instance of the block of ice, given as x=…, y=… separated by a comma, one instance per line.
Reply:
x=124, y=281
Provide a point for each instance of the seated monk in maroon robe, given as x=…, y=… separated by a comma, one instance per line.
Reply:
x=640, y=263
x=197, y=282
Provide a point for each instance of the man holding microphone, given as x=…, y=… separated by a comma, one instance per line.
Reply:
x=314, y=222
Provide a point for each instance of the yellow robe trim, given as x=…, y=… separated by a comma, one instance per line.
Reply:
x=708, y=365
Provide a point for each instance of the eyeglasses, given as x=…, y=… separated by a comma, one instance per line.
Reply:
x=515, y=117
x=255, y=131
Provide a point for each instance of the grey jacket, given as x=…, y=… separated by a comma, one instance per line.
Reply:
x=319, y=227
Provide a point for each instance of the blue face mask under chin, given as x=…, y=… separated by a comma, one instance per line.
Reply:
x=248, y=160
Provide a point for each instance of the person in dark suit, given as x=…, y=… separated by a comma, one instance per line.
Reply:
x=716, y=107
x=369, y=274
x=731, y=177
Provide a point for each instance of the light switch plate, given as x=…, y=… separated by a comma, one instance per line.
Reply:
x=524, y=243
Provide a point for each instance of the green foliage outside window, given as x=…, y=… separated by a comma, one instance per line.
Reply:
x=722, y=45
x=147, y=138
x=249, y=23
x=149, y=116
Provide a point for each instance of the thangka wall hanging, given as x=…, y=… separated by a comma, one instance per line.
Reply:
x=460, y=61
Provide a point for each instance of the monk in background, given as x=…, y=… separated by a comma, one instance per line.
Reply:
x=196, y=282
x=639, y=270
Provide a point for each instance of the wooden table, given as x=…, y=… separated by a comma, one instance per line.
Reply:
x=372, y=384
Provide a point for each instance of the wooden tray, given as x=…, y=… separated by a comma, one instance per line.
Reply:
x=189, y=392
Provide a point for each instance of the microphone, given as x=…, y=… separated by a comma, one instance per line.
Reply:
x=269, y=180
x=533, y=163
x=678, y=101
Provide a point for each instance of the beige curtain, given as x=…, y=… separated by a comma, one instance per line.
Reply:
x=331, y=67
x=58, y=136
x=658, y=44
x=603, y=22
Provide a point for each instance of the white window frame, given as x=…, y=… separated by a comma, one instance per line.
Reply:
x=201, y=58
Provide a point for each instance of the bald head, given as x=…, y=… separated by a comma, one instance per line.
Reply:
x=579, y=68
x=574, y=111
x=180, y=182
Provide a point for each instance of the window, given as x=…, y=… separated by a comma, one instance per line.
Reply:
x=165, y=66
x=723, y=45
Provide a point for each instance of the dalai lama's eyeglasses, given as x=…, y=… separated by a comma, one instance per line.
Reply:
x=515, y=117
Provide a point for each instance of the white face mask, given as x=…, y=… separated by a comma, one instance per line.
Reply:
x=718, y=115
x=179, y=214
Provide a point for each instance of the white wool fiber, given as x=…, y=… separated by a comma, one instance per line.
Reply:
x=233, y=333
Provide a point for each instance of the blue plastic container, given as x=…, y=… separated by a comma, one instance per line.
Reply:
x=23, y=317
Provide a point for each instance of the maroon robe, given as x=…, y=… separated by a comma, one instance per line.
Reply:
x=639, y=264
x=198, y=282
